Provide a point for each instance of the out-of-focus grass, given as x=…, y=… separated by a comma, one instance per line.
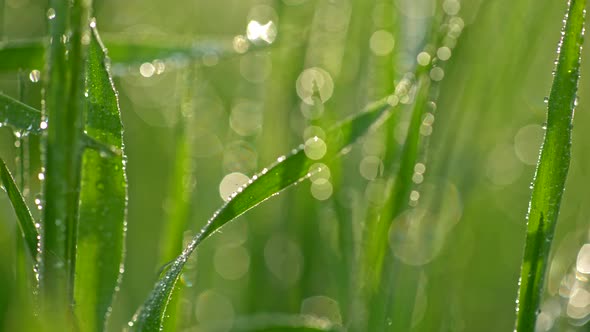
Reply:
x=290, y=255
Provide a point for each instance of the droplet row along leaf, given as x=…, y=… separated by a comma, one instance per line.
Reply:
x=288, y=171
x=552, y=168
x=103, y=197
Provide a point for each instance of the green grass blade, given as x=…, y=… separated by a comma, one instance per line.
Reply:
x=552, y=169
x=23, y=215
x=129, y=51
x=103, y=198
x=122, y=50
x=180, y=192
x=19, y=116
x=286, y=172
x=64, y=94
x=26, y=119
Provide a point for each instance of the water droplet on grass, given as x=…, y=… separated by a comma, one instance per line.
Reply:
x=266, y=32
x=315, y=148
x=230, y=184
x=437, y=74
x=321, y=189
x=322, y=307
x=35, y=75
x=51, y=13
x=443, y=53
x=423, y=58
x=583, y=260
x=147, y=69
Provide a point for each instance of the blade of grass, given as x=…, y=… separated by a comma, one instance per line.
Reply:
x=26, y=222
x=27, y=120
x=25, y=259
x=103, y=198
x=180, y=192
x=19, y=116
x=552, y=168
x=395, y=284
x=286, y=172
x=122, y=50
x=63, y=156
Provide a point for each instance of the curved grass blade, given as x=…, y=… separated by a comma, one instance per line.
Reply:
x=552, y=169
x=286, y=172
x=23, y=215
x=29, y=54
x=103, y=198
x=19, y=116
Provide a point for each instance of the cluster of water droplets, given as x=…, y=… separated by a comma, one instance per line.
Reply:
x=433, y=207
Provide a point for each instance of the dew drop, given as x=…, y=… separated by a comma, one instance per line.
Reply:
x=437, y=74
x=147, y=70
x=51, y=13
x=35, y=75
x=423, y=58
x=444, y=53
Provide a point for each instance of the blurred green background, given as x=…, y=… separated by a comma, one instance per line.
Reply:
x=240, y=113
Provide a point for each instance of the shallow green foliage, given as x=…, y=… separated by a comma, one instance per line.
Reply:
x=415, y=228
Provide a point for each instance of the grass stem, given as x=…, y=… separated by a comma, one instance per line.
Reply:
x=552, y=169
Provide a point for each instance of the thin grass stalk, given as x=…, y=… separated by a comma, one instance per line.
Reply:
x=23, y=270
x=552, y=168
x=64, y=110
x=180, y=192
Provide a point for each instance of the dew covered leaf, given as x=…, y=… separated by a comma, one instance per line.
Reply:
x=287, y=171
x=26, y=119
x=19, y=116
x=26, y=222
x=103, y=198
x=552, y=168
